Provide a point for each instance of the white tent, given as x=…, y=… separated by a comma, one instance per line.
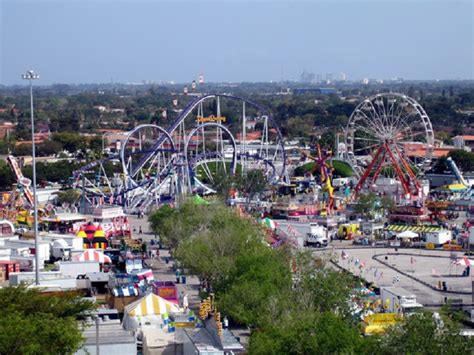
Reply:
x=148, y=309
x=407, y=235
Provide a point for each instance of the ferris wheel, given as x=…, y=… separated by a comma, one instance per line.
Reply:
x=389, y=135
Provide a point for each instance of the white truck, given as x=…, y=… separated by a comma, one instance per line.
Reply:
x=316, y=235
x=60, y=250
x=399, y=300
x=439, y=237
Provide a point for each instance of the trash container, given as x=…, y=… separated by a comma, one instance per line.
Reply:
x=445, y=287
x=183, y=279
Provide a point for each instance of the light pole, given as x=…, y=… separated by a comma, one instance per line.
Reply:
x=31, y=75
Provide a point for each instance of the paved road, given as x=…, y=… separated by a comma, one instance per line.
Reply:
x=428, y=266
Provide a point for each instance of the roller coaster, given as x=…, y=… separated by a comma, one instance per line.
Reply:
x=213, y=135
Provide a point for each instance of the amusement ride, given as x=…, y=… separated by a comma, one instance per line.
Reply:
x=389, y=136
x=213, y=134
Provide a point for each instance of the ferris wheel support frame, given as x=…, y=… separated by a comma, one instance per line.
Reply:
x=377, y=163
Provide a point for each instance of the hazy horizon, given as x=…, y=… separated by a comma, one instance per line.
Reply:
x=234, y=41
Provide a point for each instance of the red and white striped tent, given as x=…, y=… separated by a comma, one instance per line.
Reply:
x=93, y=255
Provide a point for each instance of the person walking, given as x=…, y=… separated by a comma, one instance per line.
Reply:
x=140, y=230
x=185, y=302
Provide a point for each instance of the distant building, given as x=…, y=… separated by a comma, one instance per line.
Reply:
x=6, y=129
x=418, y=150
x=321, y=91
x=105, y=109
x=464, y=142
x=43, y=133
x=100, y=108
x=307, y=77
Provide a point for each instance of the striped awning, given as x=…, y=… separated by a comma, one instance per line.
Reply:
x=143, y=274
x=402, y=228
x=125, y=291
x=151, y=305
x=93, y=255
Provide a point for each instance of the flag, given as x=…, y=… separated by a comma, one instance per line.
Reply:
x=292, y=231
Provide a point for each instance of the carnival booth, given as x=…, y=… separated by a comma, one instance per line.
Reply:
x=123, y=291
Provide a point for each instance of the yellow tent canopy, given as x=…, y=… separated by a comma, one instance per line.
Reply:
x=151, y=305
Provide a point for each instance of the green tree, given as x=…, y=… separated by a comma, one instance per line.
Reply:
x=70, y=141
x=422, y=333
x=463, y=159
x=303, y=331
x=6, y=176
x=213, y=238
x=176, y=225
x=366, y=205
x=34, y=323
x=95, y=144
x=340, y=169
x=48, y=147
x=257, y=275
x=251, y=183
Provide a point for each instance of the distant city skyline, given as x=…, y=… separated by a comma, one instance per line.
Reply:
x=234, y=41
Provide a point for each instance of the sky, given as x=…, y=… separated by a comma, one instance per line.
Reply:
x=234, y=41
